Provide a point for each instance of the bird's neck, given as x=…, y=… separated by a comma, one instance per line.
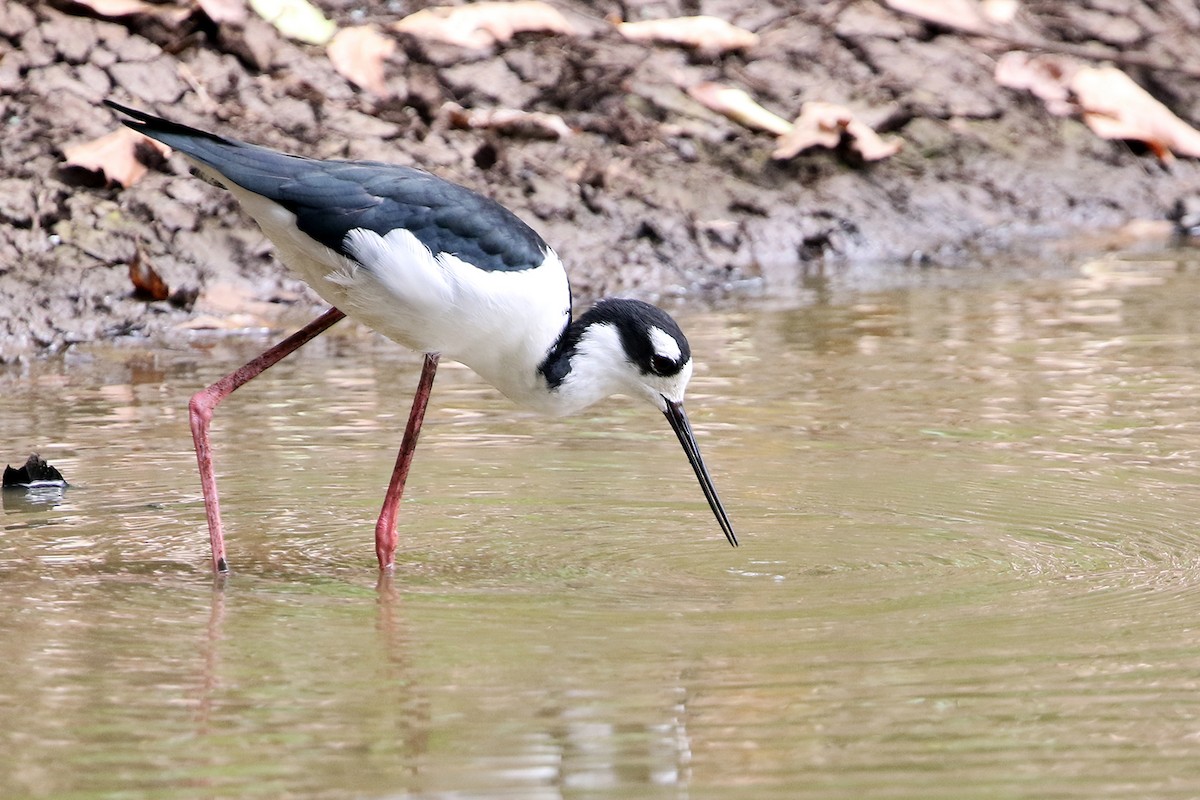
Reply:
x=581, y=368
x=559, y=375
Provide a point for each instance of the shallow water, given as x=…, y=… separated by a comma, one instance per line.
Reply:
x=969, y=563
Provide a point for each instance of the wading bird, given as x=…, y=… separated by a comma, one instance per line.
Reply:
x=445, y=271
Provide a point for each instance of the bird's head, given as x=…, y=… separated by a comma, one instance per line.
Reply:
x=630, y=347
x=643, y=350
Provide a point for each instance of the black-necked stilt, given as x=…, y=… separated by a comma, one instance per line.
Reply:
x=445, y=271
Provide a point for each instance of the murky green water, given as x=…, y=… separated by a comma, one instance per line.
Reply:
x=970, y=564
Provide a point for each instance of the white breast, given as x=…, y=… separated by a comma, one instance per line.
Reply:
x=500, y=324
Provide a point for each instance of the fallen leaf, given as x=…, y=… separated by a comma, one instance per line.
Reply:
x=115, y=9
x=481, y=25
x=1115, y=107
x=532, y=124
x=1045, y=76
x=359, y=53
x=147, y=283
x=221, y=11
x=739, y=107
x=115, y=155
x=1000, y=12
x=1109, y=101
x=296, y=19
x=708, y=34
x=963, y=15
x=826, y=125
x=819, y=125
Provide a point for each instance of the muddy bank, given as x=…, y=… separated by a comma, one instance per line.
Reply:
x=651, y=193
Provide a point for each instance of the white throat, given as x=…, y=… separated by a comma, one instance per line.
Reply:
x=599, y=369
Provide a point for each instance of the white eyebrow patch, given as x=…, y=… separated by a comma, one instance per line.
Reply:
x=664, y=344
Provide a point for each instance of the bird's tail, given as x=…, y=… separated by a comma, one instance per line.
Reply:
x=219, y=159
x=172, y=134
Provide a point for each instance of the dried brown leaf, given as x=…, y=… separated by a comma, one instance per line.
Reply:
x=1111, y=104
x=147, y=283
x=819, y=125
x=223, y=11
x=1000, y=12
x=114, y=155
x=824, y=125
x=115, y=9
x=1047, y=77
x=739, y=107
x=480, y=25
x=963, y=15
x=510, y=121
x=1115, y=107
x=296, y=19
x=359, y=54
x=708, y=34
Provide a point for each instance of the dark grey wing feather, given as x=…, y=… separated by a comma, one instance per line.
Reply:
x=332, y=198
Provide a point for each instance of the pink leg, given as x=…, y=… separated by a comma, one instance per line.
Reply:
x=200, y=411
x=385, y=528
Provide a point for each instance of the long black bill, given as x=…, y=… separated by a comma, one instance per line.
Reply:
x=683, y=429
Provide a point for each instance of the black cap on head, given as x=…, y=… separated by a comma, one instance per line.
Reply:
x=652, y=340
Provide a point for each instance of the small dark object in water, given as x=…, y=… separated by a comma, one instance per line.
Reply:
x=35, y=474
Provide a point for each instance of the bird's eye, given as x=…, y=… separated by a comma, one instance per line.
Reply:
x=662, y=365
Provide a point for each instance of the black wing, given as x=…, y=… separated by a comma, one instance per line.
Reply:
x=332, y=198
